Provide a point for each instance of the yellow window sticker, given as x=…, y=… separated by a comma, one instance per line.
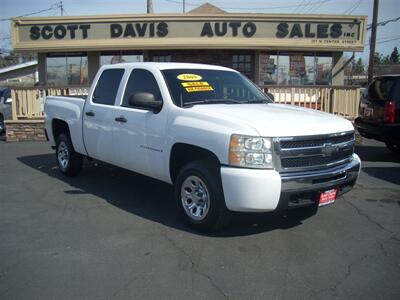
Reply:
x=191, y=89
x=195, y=83
x=189, y=77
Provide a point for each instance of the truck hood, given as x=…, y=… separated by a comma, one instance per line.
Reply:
x=275, y=120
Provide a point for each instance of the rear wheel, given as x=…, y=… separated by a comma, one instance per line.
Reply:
x=395, y=148
x=199, y=196
x=69, y=162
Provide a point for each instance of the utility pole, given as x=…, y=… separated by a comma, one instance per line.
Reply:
x=62, y=8
x=373, y=42
x=149, y=6
x=183, y=6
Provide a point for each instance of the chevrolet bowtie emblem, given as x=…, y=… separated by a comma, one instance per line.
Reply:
x=328, y=149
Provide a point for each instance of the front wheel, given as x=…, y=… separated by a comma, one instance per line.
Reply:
x=69, y=162
x=395, y=148
x=199, y=196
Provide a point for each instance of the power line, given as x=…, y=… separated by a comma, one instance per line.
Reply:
x=54, y=6
x=353, y=7
x=304, y=7
x=383, y=23
x=388, y=37
x=252, y=8
x=298, y=7
x=315, y=6
x=389, y=40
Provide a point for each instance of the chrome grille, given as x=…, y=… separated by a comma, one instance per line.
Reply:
x=316, y=142
x=313, y=152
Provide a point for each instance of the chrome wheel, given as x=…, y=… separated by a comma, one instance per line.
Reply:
x=195, y=198
x=63, y=155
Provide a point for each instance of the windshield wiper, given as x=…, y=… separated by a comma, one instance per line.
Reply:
x=213, y=101
x=258, y=101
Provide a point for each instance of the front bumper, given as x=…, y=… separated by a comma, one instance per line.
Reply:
x=253, y=190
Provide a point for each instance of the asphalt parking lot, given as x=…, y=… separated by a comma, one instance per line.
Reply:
x=113, y=234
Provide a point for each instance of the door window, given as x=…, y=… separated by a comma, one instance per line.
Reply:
x=381, y=89
x=141, y=81
x=107, y=86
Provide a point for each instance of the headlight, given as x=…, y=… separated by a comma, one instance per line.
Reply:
x=250, y=152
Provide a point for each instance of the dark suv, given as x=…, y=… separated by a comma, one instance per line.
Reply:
x=5, y=107
x=380, y=112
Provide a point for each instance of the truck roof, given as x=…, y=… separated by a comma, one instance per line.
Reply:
x=170, y=65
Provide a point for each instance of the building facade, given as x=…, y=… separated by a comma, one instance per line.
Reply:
x=269, y=49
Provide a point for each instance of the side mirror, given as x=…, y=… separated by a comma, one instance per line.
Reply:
x=8, y=101
x=145, y=101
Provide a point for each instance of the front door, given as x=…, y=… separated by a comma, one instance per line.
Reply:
x=139, y=133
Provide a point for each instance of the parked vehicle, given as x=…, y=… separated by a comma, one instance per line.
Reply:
x=5, y=107
x=380, y=112
x=209, y=131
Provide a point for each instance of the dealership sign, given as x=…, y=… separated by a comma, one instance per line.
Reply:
x=176, y=33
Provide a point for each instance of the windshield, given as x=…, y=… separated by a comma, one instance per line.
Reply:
x=197, y=86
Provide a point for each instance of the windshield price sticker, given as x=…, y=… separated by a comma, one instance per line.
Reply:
x=191, y=89
x=195, y=83
x=189, y=77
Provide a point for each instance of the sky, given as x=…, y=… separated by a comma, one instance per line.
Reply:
x=388, y=36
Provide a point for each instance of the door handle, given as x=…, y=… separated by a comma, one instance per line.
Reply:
x=121, y=119
x=89, y=113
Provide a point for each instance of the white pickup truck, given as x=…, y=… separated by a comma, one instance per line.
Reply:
x=209, y=131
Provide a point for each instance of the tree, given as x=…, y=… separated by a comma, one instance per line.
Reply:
x=386, y=60
x=8, y=60
x=394, y=56
x=11, y=58
x=359, y=67
x=378, y=58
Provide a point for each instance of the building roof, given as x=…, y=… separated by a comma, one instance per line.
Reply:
x=207, y=8
x=168, y=65
x=18, y=66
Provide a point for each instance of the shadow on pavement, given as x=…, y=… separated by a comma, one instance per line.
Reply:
x=376, y=153
x=152, y=199
x=390, y=174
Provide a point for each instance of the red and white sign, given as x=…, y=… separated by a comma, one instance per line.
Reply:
x=327, y=197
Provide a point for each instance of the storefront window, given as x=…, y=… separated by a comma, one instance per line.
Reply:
x=243, y=63
x=161, y=58
x=116, y=57
x=67, y=69
x=295, y=69
x=268, y=68
x=323, y=70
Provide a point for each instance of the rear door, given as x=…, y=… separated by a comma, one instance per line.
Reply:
x=380, y=91
x=98, y=115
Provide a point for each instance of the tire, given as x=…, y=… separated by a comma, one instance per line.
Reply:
x=69, y=162
x=395, y=148
x=201, y=179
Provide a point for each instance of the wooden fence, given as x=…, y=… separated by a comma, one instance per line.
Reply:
x=338, y=100
x=28, y=103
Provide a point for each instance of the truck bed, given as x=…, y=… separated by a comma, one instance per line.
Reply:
x=68, y=109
